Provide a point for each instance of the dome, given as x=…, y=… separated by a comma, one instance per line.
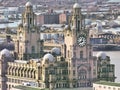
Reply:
x=48, y=57
x=76, y=5
x=5, y=52
x=28, y=4
x=56, y=50
x=101, y=54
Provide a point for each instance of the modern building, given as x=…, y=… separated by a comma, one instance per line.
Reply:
x=69, y=64
x=103, y=85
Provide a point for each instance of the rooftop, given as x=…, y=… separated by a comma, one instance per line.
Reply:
x=108, y=83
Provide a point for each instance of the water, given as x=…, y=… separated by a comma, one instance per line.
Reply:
x=115, y=59
x=114, y=1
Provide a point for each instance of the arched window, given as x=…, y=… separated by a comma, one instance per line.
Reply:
x=82, y=74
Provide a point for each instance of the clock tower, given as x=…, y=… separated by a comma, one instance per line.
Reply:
x=78, y=51
x=28, y=43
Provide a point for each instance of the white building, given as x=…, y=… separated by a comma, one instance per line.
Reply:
x=103, y=85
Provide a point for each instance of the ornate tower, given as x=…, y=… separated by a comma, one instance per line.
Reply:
x=79, y=51
x=28, y=44
x=5, y=57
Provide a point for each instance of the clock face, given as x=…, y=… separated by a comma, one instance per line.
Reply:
x=81, y=41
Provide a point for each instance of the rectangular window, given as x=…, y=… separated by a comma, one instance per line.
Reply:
x=78, y=25
x=68, y=53
x=74, y=54
x=90, y=54
x=94, y=63
x=73, y=72
x=33, y=49
x=30, y=20
x=81, y=54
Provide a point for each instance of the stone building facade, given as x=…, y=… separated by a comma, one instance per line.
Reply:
x=105, y=70
x=28, y=44
x=103, y=85
x=65, y=65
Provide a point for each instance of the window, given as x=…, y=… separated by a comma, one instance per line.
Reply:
x=114, y=89
x=90, y=54
x=73, y=72
x=94, y=71
x=104, y=70
x=94, y=62
x=30, y=20
x=81, y=54
x=68, y=53
x=104, y=87
x=78, y=25
x=109, y=87
x=26, y=50
x=33, y=49
x=82, y=74
x=74, y=54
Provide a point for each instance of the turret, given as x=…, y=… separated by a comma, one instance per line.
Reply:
x=28, y=16
x=5, y=56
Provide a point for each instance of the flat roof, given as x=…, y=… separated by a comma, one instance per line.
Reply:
x=108, y=83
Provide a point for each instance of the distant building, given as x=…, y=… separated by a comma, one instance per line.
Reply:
x=103, y=85
x=64, y=17
x=69, y=64
x=49, y=17
x=105, y=70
